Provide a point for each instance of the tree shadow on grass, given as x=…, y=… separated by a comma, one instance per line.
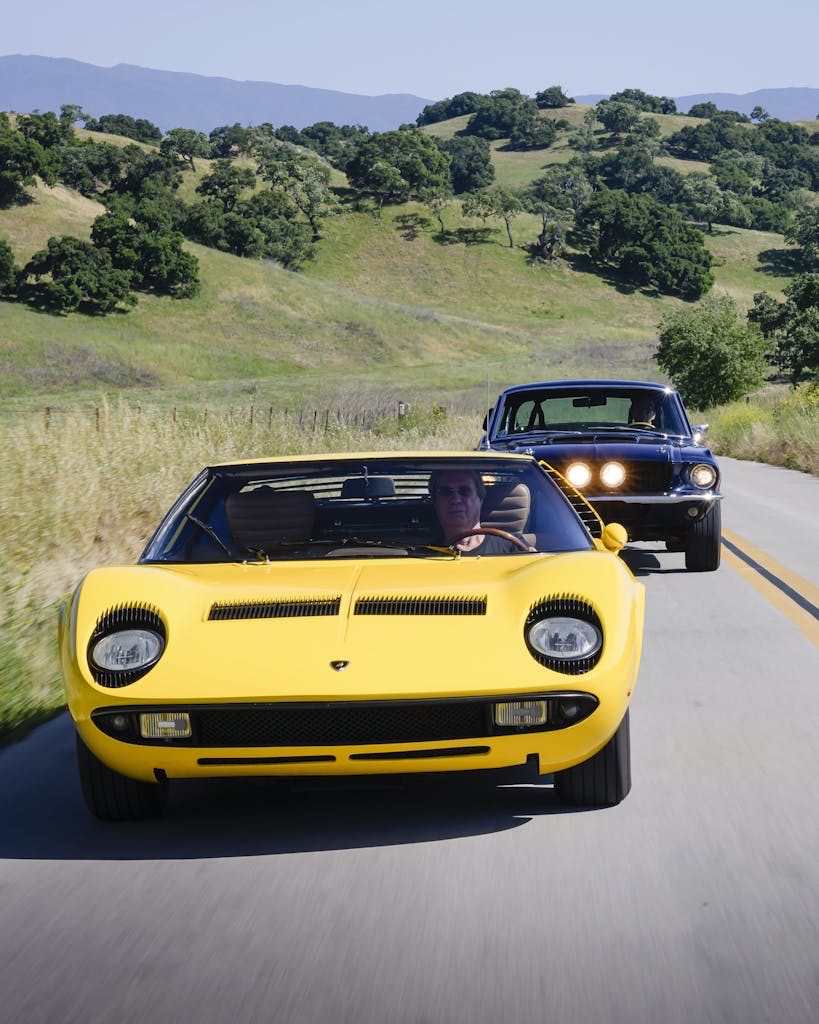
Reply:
x=465, y=236
x=411, y=225
x=781, y=262
x=584, y=264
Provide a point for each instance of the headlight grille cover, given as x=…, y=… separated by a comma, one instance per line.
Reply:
x=570, y=606
x=122, y=617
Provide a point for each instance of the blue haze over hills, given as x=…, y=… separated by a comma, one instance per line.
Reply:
x=172, y=99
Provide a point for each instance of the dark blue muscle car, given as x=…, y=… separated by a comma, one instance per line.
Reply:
x=629, y=448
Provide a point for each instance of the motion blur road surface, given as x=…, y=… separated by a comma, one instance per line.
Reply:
x=696, y=900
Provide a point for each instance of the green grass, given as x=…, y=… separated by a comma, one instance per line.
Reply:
x=386, y=300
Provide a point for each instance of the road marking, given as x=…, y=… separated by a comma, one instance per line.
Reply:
x=795, y=597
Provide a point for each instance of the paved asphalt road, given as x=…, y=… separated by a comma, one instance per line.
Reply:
x=696, y=900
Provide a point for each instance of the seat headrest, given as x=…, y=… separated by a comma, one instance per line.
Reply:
x=263, y=518
x=506, y=506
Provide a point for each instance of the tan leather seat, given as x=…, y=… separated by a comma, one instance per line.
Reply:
x=262, y=519
x=506, y=507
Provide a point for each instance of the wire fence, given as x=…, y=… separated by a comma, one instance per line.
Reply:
x=310, y=420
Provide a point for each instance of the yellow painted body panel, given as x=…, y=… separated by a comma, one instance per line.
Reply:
x=389, y=656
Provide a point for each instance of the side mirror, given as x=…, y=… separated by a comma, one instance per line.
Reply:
x=614, y=537
x=486, y=417
x=699, y=432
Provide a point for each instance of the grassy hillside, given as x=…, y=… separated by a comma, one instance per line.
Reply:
x=385, y=301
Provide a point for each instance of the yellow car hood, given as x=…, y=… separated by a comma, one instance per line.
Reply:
x=340, y=629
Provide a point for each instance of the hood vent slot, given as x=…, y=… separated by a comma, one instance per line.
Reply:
x=287, y=609
x=420, y=606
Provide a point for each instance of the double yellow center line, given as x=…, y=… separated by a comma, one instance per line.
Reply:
x=794, y=596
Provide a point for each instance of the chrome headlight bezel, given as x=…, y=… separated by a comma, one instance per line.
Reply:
x=707, y=473
x=127, y=642
x=556, y=617
x=613, y=474
x=579, y=475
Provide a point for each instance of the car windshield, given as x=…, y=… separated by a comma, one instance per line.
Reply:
x=590, y=408
x=362, y=508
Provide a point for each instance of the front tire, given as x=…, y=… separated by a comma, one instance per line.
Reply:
x=605, y=779
x=702, y=549
x=110, y=796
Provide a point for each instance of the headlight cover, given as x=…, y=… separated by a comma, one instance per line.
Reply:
x=703, y=475
x=564, y=634
x=613, y=474
x=126, y=643
x=579, y=475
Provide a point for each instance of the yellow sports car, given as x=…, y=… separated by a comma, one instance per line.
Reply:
x=358, y=614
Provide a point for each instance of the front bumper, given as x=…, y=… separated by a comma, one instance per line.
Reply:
x=338, y=739
x=655, y=516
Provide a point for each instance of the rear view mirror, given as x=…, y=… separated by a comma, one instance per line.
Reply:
x=614, y=537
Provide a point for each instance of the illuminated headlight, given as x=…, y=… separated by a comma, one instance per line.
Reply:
x=579, y=475
x=522, y=713
x=128, y=650
x=613, y=474
x=703, y=476
x=565, y=638
x=167, y=725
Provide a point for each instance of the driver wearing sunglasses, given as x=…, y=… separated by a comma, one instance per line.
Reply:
x=457, y=497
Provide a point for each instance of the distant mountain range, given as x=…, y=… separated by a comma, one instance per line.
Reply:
x=786, y=104
x=174, y=99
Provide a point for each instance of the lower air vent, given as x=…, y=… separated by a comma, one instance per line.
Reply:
x=290, y=609
x=420, y=606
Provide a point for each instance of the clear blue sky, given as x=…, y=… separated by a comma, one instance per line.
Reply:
x=436, y=48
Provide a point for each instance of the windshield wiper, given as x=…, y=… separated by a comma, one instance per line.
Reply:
x=210, y=532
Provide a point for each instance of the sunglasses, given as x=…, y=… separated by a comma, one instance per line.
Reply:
x=465, y=491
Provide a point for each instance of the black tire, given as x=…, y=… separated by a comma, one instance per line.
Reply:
x=702, y=549
x=602, y=781
x=110, y=796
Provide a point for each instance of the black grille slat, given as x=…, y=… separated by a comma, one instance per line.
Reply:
x=339, y=725
x=641, y=477
x=288, y=609
x=420, y=606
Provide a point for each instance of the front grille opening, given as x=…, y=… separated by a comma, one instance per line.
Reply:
x=343, y=723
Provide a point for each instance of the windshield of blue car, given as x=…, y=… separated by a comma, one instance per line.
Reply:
x=583, y=409
x=378, y=507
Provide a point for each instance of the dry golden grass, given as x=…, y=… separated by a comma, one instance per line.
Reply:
x=83, y=489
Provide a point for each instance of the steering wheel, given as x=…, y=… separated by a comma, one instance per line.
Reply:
x=642, y=423
x=493, y=531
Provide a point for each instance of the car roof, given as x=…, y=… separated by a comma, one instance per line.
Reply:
x=381, y=456
x=596, y=383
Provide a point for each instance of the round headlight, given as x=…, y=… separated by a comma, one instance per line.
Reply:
x=613, y=474
x=128, y=650
x=560, y=636
x=578, y=474
x=703, y=476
